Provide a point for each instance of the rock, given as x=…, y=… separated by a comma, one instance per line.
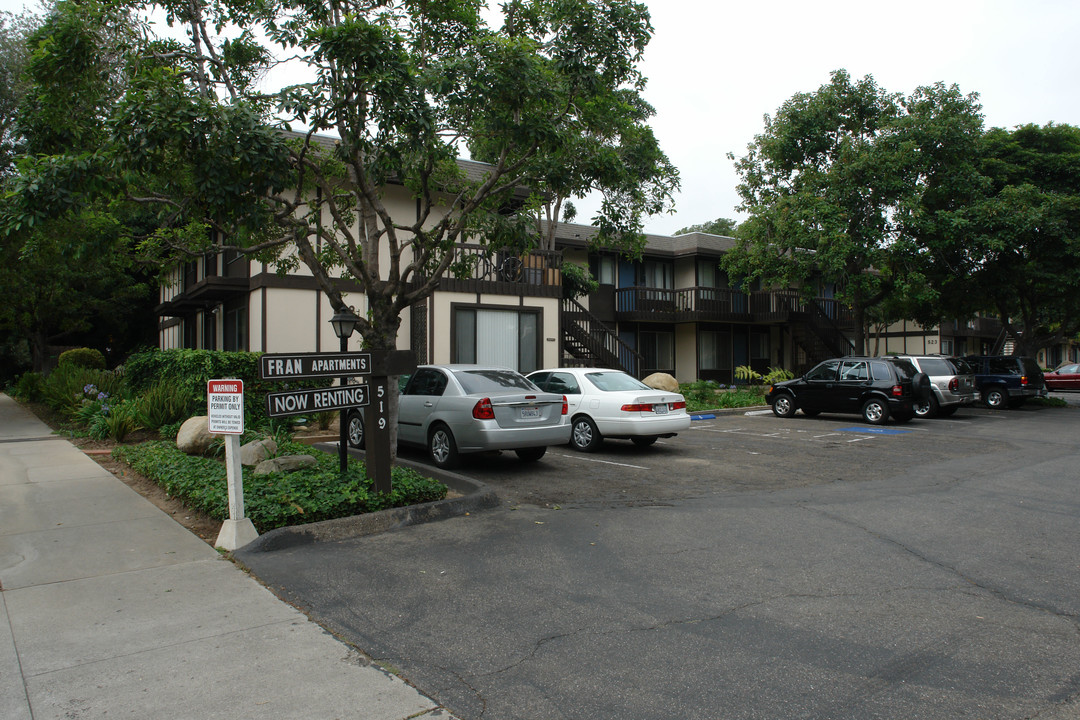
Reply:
x=257, y=450
x=286, y=463
x=194, y=437
x=662, y=381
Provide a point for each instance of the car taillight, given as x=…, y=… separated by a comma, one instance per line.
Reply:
x=637, y=408
x=482, y=410
x=565, y=407
x=898, y=390
x=1023, y=380
x=677, y=406
x=954, y=384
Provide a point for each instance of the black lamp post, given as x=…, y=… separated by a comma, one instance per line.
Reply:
x=344, y=322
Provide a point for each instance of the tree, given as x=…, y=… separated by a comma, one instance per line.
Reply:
x=70, y=270
x=1022, y=241
x=838, y=188
x=720, y=226
x=551, y=101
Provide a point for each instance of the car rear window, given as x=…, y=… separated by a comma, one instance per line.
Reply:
x=485, y=381
x=1004, y=366
x=963, y=366
x=936, y=366
x=904, y=368
x=1031, y=367
x=615, y=381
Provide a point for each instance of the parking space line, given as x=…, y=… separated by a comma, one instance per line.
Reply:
x=604, y=462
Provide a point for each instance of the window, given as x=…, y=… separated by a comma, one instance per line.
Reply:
x=853, y=371
x=714, y=350
x=658, y=274
x=824, y=371
x=504, y=338
x=604, y=270
x=657, y=350
x=427, y=381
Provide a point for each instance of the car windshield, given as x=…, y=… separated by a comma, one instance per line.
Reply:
x=615, y=381
x=486, y=381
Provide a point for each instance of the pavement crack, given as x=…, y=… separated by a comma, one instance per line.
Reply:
x=997, y=592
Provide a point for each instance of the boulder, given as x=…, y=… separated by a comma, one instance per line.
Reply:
x=662, y=381
x=194, y=436
x=257, y=450
x=286, y=463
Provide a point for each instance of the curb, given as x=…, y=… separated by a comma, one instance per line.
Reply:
x=710, y=414
x=475, y=496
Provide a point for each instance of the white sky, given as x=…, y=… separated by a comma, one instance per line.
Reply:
x=715, y=68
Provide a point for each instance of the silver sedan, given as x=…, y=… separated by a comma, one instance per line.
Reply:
x=455, y=409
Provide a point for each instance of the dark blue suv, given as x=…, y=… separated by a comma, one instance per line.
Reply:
x=1007, y=380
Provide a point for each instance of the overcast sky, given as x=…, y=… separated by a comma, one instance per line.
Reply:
x=716, y=68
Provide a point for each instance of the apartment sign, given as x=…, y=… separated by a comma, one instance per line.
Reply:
x=225, y=407
x=299, y=402
x=299, y=366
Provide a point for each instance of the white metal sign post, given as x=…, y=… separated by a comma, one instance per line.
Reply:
x=225, y=412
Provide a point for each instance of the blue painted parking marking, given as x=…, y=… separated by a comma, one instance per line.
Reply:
x=875, y=431
x=709, y=416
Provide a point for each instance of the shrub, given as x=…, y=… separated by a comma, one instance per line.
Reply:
x=30, y=387
x=82, y=357
x=69, y=387
x=280, y=499
x=164, y=403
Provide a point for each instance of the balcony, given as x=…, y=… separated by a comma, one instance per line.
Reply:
x=479, y=269
x=975, y=327
x=706, y=304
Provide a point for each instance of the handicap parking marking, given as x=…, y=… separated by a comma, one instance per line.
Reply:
x=874, y=431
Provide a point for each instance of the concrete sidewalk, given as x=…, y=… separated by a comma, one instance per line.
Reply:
x=109, y=608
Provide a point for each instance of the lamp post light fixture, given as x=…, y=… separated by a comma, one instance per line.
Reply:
x=344, y=322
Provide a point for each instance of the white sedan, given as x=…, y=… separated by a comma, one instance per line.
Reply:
x=611, y=404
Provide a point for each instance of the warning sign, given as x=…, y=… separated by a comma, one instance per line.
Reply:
x=225, y=406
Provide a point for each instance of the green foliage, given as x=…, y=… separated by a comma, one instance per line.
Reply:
x=279, y=499
x=848, y=185
x=69, y=388
x=705, y=395
x=577, y=280
x=189, y=370
x=30, y=387
x=747, y=374
x=720, y=226
x=82, y=357
x=163, y=403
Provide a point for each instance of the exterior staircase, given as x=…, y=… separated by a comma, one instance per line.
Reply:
x=588, y=342
x=818, y=335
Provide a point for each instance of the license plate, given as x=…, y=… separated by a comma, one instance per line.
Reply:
x=660, y=408
x=530, y=413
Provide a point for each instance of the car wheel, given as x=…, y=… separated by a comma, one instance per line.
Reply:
x=355, y=430
x=927, y=408
x=583, y=434
x=784, y=405
x=643, y=441
x=442, y=447
x=531, y=454
x=875, y=411
x=994, y=397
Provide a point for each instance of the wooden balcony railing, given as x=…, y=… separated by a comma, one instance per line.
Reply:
x=478, y=268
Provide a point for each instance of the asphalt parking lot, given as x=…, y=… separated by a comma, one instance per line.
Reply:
x=752, y=567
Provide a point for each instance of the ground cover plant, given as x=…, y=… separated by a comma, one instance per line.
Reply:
x=278, y=499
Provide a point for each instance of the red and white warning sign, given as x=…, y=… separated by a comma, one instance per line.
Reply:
x=225, y=406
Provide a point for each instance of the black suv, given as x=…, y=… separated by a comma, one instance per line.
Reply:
x=1007, y=380
x=875, y=387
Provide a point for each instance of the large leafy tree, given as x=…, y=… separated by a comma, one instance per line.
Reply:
x=68, y=276
x=550, y=100
x=842, y=184
x=1021, y=255
x=719, y=226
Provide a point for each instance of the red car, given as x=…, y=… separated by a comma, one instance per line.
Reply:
x=1066, y=377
